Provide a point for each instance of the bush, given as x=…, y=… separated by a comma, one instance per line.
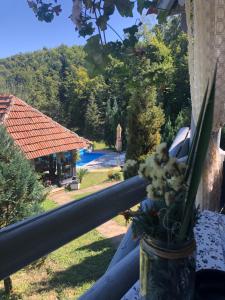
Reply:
x=114, y=176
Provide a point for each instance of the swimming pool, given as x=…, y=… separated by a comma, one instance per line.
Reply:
x=86, y=157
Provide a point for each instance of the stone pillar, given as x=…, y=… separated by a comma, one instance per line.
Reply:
x=206, y=34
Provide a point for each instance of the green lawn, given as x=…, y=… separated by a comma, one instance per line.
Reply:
x=66, y=273
x=121, y=220
x=78, y=197
x=48, y=204
x=100, y=146
x=94, y=178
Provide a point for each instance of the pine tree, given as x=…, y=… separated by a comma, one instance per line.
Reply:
x=111, y=122
x=20, y=190
x=93, y=128
x=145, y=119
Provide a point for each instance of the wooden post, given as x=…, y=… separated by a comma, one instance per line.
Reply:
x=8, y=285
x=73, y=163
x=51, y=166
x=59, y=171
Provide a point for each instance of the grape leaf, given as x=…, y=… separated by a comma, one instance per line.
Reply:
x=125, y=7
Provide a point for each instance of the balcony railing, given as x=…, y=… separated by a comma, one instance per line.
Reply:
x=29, y=240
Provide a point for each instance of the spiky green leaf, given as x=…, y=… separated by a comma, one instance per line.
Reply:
x=198, y=153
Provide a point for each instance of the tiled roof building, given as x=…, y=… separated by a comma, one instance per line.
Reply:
x=36, y=134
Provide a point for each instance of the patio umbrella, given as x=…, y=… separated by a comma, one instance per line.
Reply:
x=118, y=145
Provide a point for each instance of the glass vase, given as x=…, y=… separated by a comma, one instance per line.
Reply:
x=167, y=273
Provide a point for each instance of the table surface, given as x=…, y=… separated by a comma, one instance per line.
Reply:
x=210, y=238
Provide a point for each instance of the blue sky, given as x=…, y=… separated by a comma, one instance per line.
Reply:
x=21, y=32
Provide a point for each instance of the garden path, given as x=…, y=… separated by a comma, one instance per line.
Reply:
x=110, y=229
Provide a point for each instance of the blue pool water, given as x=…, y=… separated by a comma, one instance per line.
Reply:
x=87, y=157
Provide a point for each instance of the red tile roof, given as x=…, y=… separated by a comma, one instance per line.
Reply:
x=36, y=134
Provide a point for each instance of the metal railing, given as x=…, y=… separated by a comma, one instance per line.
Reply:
x=29, y=240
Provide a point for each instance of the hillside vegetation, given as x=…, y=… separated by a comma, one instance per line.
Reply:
x=145, y=88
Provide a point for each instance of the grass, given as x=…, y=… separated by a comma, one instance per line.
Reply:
x=100, y=146
x=48, y=204
x=78, y=197
x=66, y=273
x=120, y=220
x=97, y=177
x=94, y=178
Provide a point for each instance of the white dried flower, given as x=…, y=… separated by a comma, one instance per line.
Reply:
x=171, y=168
x=159, y=184
x=153, y=194
x=159, y=172
x=142, y=170
x=175, y=182
x=150, y=192
x=149, y=167
x=162, y=154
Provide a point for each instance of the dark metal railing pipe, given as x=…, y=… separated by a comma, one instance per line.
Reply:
x=114, y=284
x=27, y=241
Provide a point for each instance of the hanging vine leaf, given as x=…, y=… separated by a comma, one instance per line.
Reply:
x=131, y=39
x=87, y=29
x=101, y=22
x=44, y=11
x=144, y=4
x=96, y=54
x=109, y=7
x=125, y=7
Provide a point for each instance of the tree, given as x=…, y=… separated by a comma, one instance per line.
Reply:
x=43, y=79
x=93, y=128
x=176, y=93
x=111, y=122
x=20, y=190
x=145, y=119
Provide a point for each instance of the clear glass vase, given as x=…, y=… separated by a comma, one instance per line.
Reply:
x=167, y=273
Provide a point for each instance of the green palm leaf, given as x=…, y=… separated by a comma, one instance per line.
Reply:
x=197, y=154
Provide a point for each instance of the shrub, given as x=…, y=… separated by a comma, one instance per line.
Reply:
x=81, y=173
x=114, y=176
x=20, y=189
